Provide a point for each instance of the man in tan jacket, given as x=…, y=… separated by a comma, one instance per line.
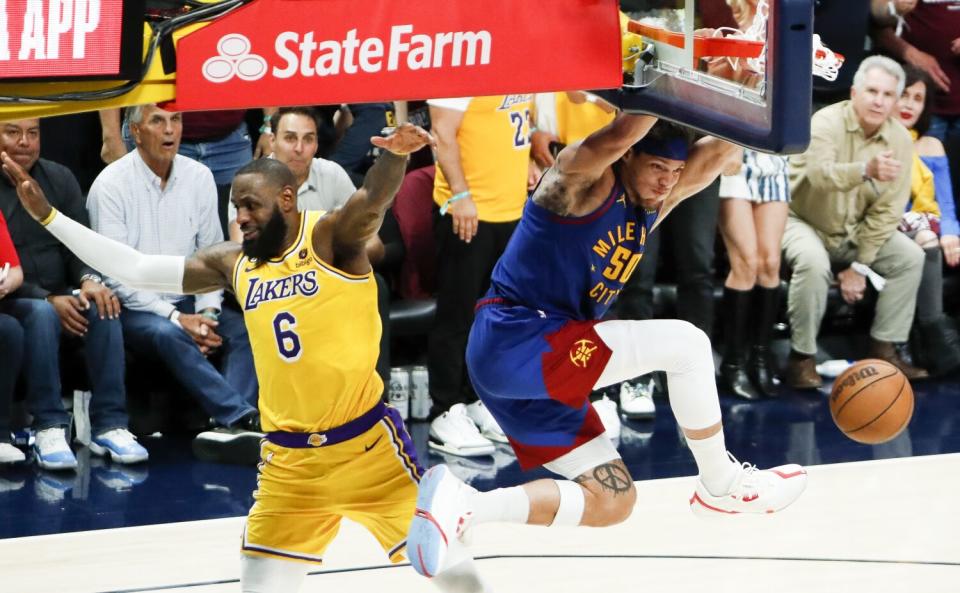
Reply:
x=849, y=190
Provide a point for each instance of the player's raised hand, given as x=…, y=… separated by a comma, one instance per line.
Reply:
x=27, y=188
x=404, y=139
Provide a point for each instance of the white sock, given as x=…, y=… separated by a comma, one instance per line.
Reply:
x=717, y=471
x=503, y=505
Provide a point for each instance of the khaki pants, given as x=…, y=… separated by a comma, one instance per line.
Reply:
x=900, y=261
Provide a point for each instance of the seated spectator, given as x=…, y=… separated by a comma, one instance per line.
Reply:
x=931, y=221
x=11, y=344
x=848, y=192
x=160, y=202
x=62, y=298
x=323, y=184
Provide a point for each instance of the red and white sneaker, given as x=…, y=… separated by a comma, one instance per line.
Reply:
x=753, y=491
x=443, y=514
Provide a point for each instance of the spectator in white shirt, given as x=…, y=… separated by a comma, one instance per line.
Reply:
x=161, y=203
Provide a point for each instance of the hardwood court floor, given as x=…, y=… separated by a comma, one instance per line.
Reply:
x=877, y=526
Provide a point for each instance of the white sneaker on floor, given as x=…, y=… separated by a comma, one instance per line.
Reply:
x=443, y=515
x=609, y=416
x=52, y=450
x=455, y=433
x=10, y=454
x=120, y=445
x=485, y=422
x=753, y=491
x=636, y=400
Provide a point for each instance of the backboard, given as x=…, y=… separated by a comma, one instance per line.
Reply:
x=718, y=67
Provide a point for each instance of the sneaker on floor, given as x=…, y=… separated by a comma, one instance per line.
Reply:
x=753, y=491
x=609, y=416
x=238, y=444
x=10, y=454
x=485, y=422
x=443, y=513
x=636, y=400
x=120, y=445
x=455, y=433
x=52, y=451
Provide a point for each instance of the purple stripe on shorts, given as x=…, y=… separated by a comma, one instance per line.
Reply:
x=407, y=448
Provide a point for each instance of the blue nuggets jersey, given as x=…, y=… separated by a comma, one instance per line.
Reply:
x=573, y=267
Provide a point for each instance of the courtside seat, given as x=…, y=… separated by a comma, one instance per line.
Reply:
x=412, y=317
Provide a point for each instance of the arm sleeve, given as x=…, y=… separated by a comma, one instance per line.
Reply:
x=106, y=210
x=210, y=234
x=943, y=191
x=823, y=171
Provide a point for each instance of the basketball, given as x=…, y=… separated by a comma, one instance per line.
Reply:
x=871, y=402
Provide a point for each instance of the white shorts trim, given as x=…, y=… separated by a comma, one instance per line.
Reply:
x=587, y=456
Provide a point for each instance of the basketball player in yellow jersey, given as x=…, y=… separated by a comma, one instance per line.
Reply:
x=305, y=284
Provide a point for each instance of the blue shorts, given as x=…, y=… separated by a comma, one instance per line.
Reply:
x=535, y=372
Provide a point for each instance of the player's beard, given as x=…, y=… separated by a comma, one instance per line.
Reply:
x=269, y=243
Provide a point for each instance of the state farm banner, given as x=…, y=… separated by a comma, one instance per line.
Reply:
x=311, y=52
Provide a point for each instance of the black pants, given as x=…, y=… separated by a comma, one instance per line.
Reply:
x=463, y=276
x=691, y=230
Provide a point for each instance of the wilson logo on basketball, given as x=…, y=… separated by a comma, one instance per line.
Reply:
x=853, y=378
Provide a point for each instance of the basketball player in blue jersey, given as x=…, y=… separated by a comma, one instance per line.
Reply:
x=332, y=449
x=537, y=348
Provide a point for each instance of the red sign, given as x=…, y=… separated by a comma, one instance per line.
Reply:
x=313, y=52
x=57, y=38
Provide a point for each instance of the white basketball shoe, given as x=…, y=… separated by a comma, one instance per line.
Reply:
x=753, y=491
x=443, y=514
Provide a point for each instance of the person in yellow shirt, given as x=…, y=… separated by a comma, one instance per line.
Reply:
x=483, y=165
x=305, y=285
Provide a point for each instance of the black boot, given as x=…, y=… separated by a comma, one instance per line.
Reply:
x=733, y=374
x=936, y=346
x=766, y=303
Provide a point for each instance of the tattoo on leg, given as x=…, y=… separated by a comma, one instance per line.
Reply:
x=612, y=477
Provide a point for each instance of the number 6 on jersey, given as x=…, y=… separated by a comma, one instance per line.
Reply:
x=288, y=342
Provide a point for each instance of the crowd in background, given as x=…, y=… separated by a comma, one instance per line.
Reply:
x=868, y=209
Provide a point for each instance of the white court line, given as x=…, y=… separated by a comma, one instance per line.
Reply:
x=891, y=510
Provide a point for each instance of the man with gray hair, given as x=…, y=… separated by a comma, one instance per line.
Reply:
x=849, y=190
x=163, y=203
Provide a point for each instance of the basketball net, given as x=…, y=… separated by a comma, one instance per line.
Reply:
x=826, y=63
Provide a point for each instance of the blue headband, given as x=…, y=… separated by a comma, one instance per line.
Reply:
x=676, y=148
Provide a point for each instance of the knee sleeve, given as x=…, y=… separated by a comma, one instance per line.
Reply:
x=570, y=510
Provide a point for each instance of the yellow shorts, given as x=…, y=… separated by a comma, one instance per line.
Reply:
x=303, y=493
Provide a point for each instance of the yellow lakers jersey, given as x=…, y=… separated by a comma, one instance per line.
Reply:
x=315, y=335
x=494, y=141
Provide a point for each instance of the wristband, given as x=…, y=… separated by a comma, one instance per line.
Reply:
x=451, y=200
x=49, y=218
x=211, y=314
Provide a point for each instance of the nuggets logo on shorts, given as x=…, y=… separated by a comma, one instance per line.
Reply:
x=581, y=352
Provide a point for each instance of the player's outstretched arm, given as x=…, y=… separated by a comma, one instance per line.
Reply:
x=205, y=271
x=708, y=158
x=361, y=216
x=599, y=150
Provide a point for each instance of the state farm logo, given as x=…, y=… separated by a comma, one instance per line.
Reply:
x=234, y=59
x=303, y=56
